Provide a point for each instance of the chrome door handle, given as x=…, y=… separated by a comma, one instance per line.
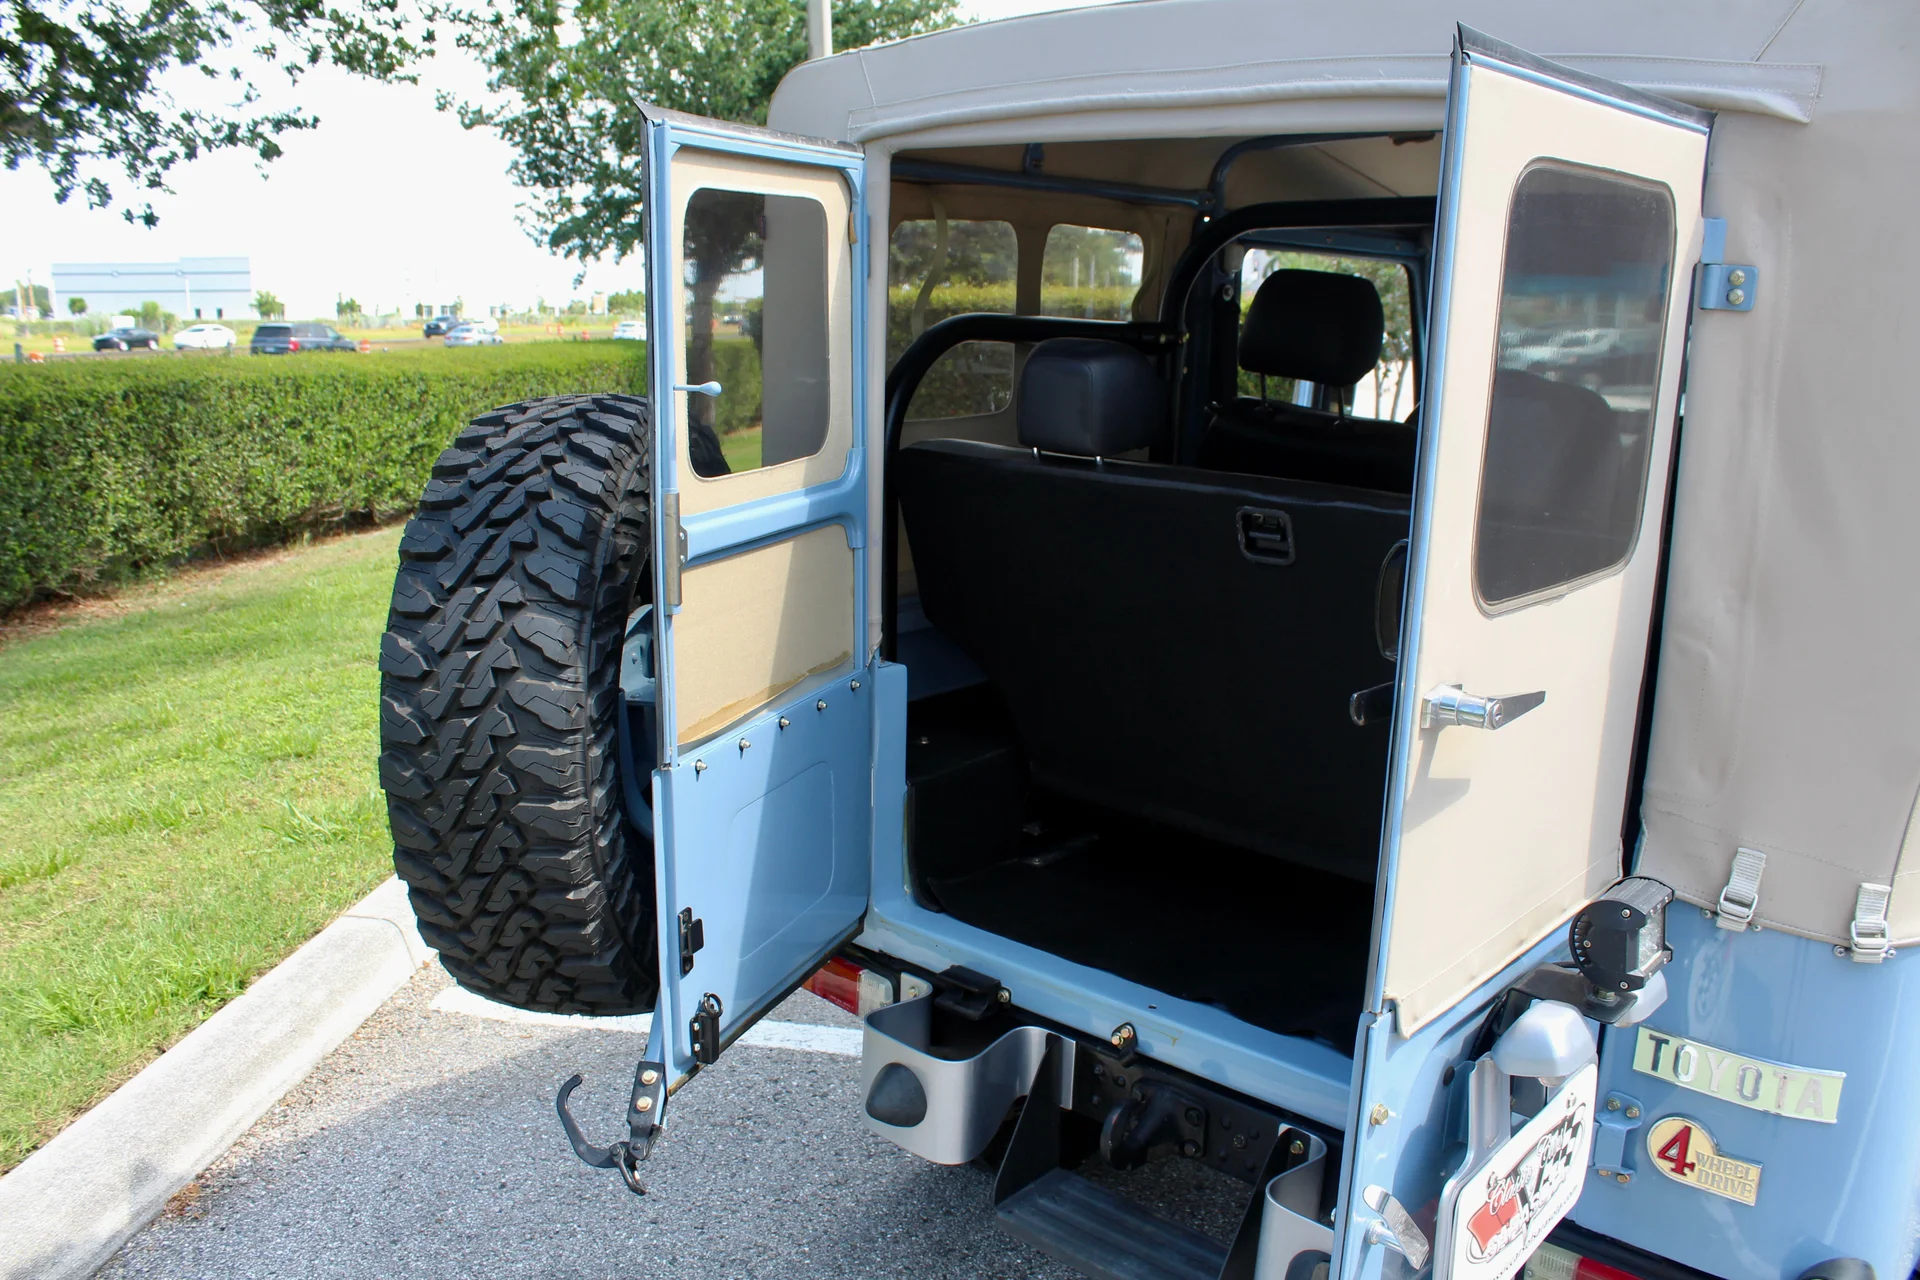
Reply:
x=1447, y=704
x=698, y=388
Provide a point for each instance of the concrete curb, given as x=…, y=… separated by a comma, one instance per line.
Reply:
x=69, y=1205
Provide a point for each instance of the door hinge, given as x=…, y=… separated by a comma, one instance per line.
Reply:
x=1724, y=286
x=705, y=1031
x=693, y=936
x=673, y=549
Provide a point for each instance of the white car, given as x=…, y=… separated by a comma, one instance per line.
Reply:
x=1561, y=349
x=634, y=329
x=473, y=334
x=204, y=337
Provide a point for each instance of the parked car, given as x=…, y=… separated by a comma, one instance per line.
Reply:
x=1470, y=847
x=127, y=339
x=473, y=334
x=204, y=337
x=279, y=339
x=636, y=330
x=441, y=324
x=1559, y=350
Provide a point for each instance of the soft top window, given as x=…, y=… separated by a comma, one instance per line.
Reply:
x=1091, y=273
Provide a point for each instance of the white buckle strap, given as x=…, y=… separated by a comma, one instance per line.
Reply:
x=1741, y=897
x=1871, y=937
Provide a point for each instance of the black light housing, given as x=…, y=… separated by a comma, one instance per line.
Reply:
x=1619, y=940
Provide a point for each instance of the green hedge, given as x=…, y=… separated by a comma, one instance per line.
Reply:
x=109, y=467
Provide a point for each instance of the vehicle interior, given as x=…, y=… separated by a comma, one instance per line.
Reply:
x=1151, y=416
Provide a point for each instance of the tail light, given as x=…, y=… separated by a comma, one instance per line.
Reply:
x=293, y=344
x=838, y=983
x=1553, y=1262
x=859, y=990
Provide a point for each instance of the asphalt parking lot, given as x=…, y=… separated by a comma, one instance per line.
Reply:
x=426, y=1146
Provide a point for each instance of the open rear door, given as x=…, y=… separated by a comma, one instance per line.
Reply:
x=761, y=795
x=1569, y=224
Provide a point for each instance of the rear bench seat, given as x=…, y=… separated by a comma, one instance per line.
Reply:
x=1172, y=643
x=1322, y=327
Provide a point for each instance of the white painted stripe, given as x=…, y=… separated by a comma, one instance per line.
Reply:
x=461, y=1000
x=804, y=1036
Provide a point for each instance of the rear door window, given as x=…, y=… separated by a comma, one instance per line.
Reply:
x=1091, y=273
x=756, y=314
x=1583, y=304
x=941, y=267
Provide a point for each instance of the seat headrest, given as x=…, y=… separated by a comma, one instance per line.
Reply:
x=1089, y=397
x=1319, y=326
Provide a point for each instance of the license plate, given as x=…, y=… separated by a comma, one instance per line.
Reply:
x=1503, y=1207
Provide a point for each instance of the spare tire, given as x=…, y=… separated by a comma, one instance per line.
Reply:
x=499, y=699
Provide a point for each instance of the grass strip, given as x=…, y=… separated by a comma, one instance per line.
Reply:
x=187, y=794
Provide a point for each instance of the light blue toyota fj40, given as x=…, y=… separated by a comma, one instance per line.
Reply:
x=1257, y=594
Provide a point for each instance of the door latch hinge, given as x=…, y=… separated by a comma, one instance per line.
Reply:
x=705, y=1029
x=693, y=936
x=1724, y=286
x=673, y=549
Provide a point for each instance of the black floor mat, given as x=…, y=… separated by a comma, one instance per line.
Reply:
x=1277, y=945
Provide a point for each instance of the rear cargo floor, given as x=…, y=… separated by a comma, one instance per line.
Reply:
x=1280, y=946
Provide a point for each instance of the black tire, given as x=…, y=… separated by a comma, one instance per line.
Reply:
x=500, y=685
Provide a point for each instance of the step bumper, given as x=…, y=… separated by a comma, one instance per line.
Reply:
x=966, y=1099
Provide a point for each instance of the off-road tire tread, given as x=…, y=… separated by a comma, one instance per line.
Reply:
x=499, y=692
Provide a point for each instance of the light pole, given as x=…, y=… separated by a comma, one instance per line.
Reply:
x=819, y=28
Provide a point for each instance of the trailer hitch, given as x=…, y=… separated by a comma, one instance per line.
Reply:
x=645, y=1110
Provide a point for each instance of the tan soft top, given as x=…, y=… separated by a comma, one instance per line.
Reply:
x=1787, y=714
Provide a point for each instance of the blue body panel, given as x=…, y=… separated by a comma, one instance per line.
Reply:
x=770, y=852
x=1847, y=1189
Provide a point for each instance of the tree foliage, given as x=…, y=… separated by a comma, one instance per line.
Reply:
x=267, y=305
x=87, y=86
x=565, y=78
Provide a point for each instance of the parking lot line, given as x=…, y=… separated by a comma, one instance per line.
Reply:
x=805, y=1036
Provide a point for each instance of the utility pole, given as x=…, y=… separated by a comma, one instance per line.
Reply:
x=819, y=28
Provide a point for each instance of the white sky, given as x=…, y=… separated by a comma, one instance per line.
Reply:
x=388, y=201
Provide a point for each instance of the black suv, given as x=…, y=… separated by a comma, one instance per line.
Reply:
x=440, y=325
x=282, y=339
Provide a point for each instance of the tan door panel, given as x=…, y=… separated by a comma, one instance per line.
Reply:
x=756, y=624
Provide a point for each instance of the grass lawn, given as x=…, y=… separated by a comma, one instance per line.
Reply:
x=741, y=449
x=187, y=793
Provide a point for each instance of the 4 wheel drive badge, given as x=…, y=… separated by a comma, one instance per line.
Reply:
x=1684, y=1151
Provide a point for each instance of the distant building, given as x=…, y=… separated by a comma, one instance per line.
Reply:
x=192, y=288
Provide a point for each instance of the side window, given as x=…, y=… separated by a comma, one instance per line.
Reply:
x=756, y=308
x=1583, y=305
x=940, y=267
x=1090, y=273
x=1389, y=391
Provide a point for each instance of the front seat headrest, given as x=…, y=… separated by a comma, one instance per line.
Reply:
x=1318, y=326
x=1089, y=397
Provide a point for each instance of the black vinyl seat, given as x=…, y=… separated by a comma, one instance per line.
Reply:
x=1321, y=327
x=1169, y=642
